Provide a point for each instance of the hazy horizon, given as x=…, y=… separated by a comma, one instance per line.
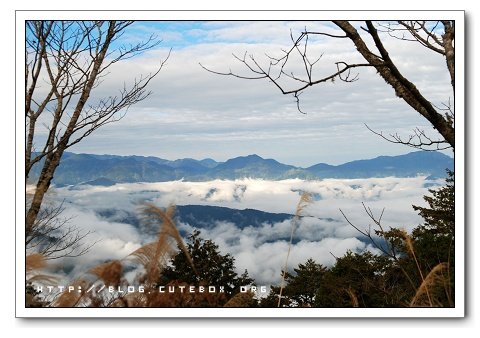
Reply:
x=409, y=150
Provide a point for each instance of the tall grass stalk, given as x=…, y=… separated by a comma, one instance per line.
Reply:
x=305, y=199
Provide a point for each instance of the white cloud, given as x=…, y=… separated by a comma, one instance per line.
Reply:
x=321, y=232
x=263, y=254
x=193, y=113
x=266, y=261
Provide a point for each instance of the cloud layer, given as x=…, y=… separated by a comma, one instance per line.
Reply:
x=194, y=113
x=321, y=234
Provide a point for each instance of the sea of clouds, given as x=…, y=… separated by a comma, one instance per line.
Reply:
x=322, y=233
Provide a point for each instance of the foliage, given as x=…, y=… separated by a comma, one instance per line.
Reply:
x=213, y=268
x=435, y=240
x=417, y=271
x=302, y=287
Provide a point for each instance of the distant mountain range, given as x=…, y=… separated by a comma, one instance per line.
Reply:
x=107, y=170
x=202, y=216
x=206, y=217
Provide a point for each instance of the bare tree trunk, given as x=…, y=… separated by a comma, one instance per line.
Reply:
x=53, y=160
x=403, y=88
x=72, y=57
x=449, y=49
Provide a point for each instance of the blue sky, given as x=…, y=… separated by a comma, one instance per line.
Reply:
x=197, y=114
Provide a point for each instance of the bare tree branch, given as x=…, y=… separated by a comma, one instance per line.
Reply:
x=415, y=31
x=380, y=234
x=427, y=34
x=53, y=236
x=71, y=58
x=418, y=140
x=276, y=71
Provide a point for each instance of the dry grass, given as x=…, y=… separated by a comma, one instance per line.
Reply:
x=244, y=299
x=305, y=199
x=33, y=264
x=408, y=243
x=35, y=261
x=110, y=273
x=437, y=276
x=154, y=256
x=72, y=298
x=167, y=226
x=353, y=297
x=411, y=251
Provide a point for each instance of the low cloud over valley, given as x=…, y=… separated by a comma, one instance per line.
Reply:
x=322, y=232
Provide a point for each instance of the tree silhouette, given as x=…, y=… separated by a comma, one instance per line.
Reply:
x=64, y=62
x=213, y=268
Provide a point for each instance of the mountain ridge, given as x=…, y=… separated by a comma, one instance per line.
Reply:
x=110, y=169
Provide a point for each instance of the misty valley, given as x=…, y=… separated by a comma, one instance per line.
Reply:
x=249, y=218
